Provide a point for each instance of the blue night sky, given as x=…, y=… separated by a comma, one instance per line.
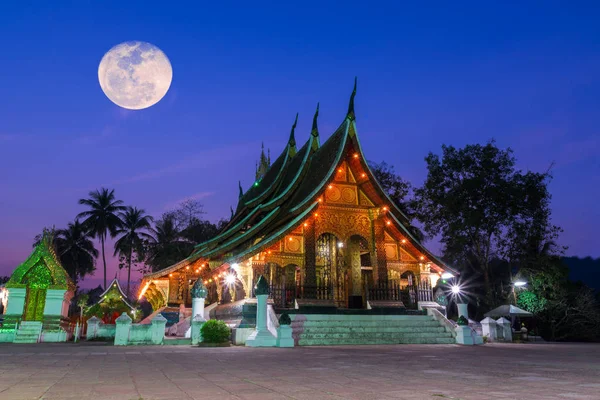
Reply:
x=528, y=76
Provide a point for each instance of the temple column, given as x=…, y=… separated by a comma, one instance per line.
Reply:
x=381, y=265
x=354, y=262
x=373, y=213
x=310, y=260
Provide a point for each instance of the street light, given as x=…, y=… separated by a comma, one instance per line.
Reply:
x=519, y=283
x=230, y=279
x=455, y=289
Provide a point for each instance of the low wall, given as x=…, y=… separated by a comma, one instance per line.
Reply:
x=127, y=333
x=7, y=335
x=97, y=329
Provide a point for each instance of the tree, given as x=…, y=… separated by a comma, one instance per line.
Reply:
x=101, y=219
x=399, y=192
x=74, y=248
x=4, y=279
x=397, y=188
x=82, y=302
x=133, y=231
x=565, y=310
x=188, y=212
x=483, y=207
x=167, y=244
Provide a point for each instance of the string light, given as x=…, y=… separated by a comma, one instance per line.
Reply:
x=170, y=274
x=355, y=155
x=421, y=258
x=330, y=187
x=316, y=214
x=389, y=222
x=385, y=208
x=291, y=239
x=403, y=240
x=340, y=170
x=187, y=267
x=305, y=224
x=363, y=175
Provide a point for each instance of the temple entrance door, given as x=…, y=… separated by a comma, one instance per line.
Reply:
x=358, y=256
x=35, y=301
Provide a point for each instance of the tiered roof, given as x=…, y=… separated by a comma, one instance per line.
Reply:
x=288, y=192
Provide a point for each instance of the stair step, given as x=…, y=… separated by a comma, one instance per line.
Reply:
x=359, y=341
x=322, y=330
x=373, y=324
x=372, y=329
x=374, y=335
x=342, y=317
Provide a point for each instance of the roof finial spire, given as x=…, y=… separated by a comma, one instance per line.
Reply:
x=315, y=130
x=240, y=187
x=292, y=141
x=351, y=105
x=231, y=210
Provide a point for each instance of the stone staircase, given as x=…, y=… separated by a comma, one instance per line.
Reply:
x=28, y=332
x=327, y=330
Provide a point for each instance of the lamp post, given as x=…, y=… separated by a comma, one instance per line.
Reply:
x=517, y=284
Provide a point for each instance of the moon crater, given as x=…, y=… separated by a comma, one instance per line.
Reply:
x=135, y=75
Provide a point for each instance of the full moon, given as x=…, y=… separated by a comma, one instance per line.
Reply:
x=135, y=75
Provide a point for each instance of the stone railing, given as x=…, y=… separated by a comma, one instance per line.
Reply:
x=445, y=322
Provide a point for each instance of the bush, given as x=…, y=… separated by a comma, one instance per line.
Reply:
x=462, y=320
x=214, y=331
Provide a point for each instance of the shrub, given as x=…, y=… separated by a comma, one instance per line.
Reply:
x=462, y=320
x=285, y=319
x=214, y=331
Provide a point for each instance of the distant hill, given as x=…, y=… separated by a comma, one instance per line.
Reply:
x=585, y=269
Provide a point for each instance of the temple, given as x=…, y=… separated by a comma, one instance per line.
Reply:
x=318, y=226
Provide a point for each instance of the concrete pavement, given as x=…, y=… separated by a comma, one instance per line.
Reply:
x=496, y=371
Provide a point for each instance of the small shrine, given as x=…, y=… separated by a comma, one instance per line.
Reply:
x=37, y=298
x=113, y=302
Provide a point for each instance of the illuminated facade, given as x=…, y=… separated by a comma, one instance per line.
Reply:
x=316, y=223
x=37, y=298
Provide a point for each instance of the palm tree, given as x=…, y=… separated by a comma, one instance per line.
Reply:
x=101, y=218
x=76, y=250
x=167, y=246
x=132, y=236
x=82, y=304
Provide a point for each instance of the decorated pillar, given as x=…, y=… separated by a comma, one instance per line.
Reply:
x=158, y=329
x=354, y=261
x=122, y=330
x=15, y=301
x=373, y=213
x=310, y=260
x=381, y=265
x=54, y=302
x=199, y=293
x=261, y=337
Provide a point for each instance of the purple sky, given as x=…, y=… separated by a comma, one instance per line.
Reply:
x=528, y=77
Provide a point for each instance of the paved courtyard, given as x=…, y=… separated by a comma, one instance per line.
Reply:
x=499, y=371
